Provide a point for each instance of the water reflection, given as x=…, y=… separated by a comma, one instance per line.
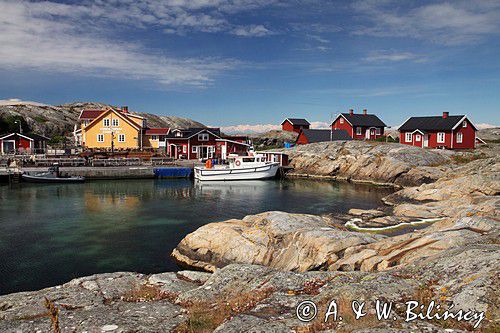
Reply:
x=52, y=233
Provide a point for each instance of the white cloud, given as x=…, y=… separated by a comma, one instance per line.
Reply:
x=51, y=37
x=319, y=124
x=449, y=23
x=251, y=31
x=485, y=126
x=250, y=129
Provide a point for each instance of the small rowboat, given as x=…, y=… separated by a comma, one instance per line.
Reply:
x=239, y=168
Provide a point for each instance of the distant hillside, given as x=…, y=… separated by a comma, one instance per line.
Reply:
x=490, y=134
x=52, y=120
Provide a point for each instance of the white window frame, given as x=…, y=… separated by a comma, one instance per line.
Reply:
x=203, y=137
x=154, y=137
x=378, y=131
x=115, y=122
x=184, y=149
x=121, y=137
x=418, y=137
x=341, y=120
x=359, y=130
x=408, y=137
x=99, y=136
x=194, y=150
x=460, y=137
x=105, y=122
x=464, y=124
x=441, y=137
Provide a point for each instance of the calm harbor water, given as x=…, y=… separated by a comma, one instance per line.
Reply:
x=50, y=234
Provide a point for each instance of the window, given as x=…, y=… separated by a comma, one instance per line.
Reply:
x=184, y=149
x=341, y=120
x=408, y=137
x=464, y=124
x=178, y=134
x=203, y=137
x=154, y=137
x=121, y=137
x=115, y=122
x=194, y=150
x=418, y=137
x=105, y=122
x=379, y=131
x=459, y=137
x=440, y=138
x=100, y=137
x=358, y=130
x=248, y=159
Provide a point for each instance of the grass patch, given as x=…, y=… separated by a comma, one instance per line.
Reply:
x=147, y=293
x=462, y=159
x=204, y=317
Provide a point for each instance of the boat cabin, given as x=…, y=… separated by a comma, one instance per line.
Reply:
x=241, y=162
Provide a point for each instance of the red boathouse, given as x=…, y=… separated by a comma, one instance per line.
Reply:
x=360, y=126
x=451, y=132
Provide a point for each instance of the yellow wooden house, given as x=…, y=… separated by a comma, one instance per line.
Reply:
x=111, y=129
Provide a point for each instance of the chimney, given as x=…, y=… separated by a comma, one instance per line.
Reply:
x=364, y=112
x=351, y=112
x=446, y=114
x=125, y=109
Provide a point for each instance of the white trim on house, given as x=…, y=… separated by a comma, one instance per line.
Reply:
x=460, y=137
x=26, y=137
x=235, y=142
x=288, y=119
x=340, y=115
x=444, y=137
x=406, y=137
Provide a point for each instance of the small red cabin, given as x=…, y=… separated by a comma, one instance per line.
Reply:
x=16, y=143
x=451, y=132
x=294, y=124
x=360, y=126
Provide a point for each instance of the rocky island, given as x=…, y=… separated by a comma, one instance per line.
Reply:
x=251, y=273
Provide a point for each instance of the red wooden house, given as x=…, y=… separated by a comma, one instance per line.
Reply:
x=203, y=143
x=360, y=126
x=452, y=132
x=294, y=124
x=16, y=143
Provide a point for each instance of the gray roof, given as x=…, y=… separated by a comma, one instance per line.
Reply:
x=363, y=120
x=323, y=135
x=297, y=121
x=434, y=123
x=186, y=133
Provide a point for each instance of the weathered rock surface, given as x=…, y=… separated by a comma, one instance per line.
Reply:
x=295, y=242
x=252, y=298
x=372, y=162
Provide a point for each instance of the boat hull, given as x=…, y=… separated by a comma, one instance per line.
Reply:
x=41, y=179
x=250, y=173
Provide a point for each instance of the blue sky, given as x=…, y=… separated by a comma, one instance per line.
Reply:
x=235, y=62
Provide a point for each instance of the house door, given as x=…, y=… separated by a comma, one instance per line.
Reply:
x=206, y=152
x=426, y=140
x=368, y=133
x=8, y=146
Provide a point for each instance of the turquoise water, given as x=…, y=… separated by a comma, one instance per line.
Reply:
x=50, y=234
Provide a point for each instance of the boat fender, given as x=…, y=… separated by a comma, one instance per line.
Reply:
x=237, y=163
x=208, y=164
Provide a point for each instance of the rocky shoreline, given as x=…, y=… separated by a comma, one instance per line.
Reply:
x=260, y=267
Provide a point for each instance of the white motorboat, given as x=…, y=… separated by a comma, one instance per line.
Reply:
x=239, y=168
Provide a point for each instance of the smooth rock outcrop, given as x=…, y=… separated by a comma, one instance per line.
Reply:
x=294, y=242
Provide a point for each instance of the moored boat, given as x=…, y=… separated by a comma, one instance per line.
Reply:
x=239, y=168
x=51, y=176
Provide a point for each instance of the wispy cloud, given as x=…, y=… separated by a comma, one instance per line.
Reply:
x=51, y=37
x=394, y=56
x=450, y=23
x=252, y=31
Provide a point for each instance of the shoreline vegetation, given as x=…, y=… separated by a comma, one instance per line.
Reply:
x=257, y=269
